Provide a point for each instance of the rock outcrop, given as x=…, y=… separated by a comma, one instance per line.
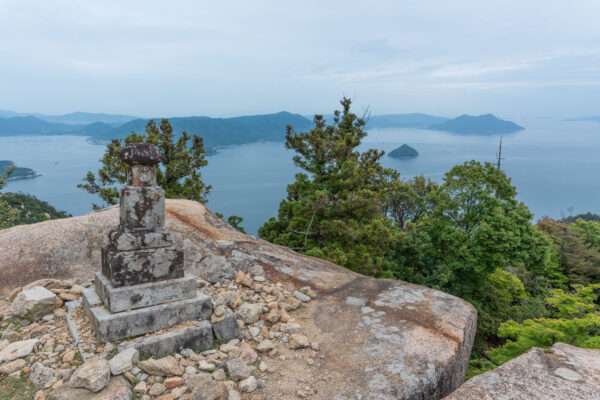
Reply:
x=559, y=373
x=381, y=339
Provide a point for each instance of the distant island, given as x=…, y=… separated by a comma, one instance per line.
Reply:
x=404, y=151
x=482, y=124
x=18, y=173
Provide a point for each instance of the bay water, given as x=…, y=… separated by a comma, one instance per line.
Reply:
x=554, y=164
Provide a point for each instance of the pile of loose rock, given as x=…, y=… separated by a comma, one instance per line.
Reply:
x=38, y=344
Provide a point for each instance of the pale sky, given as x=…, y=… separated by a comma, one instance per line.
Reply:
x=513, y=58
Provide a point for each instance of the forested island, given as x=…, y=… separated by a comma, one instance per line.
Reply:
x=482, y=124
x=18, y=173
x=404, y=151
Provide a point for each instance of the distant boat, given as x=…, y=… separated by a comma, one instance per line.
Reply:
x=404, y=151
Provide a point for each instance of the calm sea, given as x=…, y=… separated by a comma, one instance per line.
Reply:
x=554, y=164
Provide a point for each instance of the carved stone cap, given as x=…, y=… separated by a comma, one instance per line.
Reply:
x=140, y=153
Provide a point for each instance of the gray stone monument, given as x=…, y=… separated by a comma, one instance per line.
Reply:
x=142, y=287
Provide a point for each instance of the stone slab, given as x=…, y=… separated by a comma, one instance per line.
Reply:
x=132, y=267
x=127, y=239
x=123, y=298
x=227, y=328
x=110, y=326
x=142, y=207
x=141, y=175
x=197, y=338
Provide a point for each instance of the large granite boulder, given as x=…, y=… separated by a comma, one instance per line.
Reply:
x=391, y=340
x=33, y=303
x=559, y=373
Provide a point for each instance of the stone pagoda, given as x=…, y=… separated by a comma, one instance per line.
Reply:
x=143, y=288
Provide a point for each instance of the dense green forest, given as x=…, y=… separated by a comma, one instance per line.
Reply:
x=30, y=209
x=468, y=235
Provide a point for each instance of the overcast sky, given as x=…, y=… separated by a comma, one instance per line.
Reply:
x=514, y=58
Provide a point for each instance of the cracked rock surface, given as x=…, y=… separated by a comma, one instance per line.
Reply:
x=559, y=373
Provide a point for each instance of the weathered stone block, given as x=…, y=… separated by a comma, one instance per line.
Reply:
x=227, y=328
x=141, y=175
x=109, y=326
x=198, y=338
x=126, y=239
x=142, y=207
x=131, y=267
x=123, y=298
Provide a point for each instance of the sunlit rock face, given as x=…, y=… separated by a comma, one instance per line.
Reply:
x=380, y=339
x=559, y=373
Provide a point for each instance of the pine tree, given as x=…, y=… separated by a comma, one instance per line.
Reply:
x=336, y=208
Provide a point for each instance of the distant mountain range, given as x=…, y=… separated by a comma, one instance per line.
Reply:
x=595, y=118
x=415, y=120
x=218, y=132
x=76, y=118
x=482, y=124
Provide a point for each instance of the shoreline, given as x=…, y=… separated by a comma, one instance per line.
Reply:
x=17, y=178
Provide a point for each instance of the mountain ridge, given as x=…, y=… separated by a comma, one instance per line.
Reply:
x=74, y=118
x=480, y=124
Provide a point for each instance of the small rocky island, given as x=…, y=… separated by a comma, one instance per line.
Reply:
x=404, y=151
x=18, y=173
x=482, y=124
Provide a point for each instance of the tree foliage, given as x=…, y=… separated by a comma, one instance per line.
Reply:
x=473, y=232
x=8, y=214
x=30, y=209
x=575, y=248
x=178, y=174
x=336, y=208
x=575, y=320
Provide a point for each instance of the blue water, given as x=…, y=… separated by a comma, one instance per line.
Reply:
x=554, y=165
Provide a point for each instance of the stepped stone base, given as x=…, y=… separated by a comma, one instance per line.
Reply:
x=197, y=338
x=123, y=298
x=110, y=326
